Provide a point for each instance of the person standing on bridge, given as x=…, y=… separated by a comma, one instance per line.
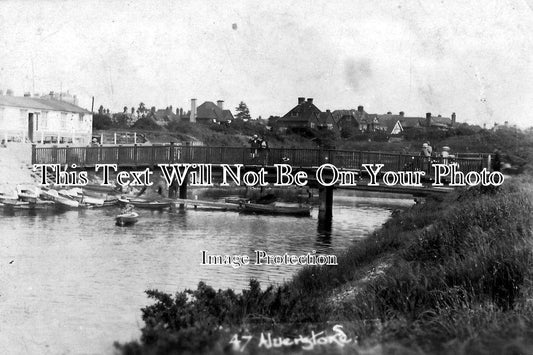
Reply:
x=425, y=153
x=265, y=149
x=255, y=144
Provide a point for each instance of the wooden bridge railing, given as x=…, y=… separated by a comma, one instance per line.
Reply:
x=151, y=155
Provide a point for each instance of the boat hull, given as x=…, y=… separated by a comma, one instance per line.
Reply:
x=275, y=210
x=149, y=205
x=126, y=219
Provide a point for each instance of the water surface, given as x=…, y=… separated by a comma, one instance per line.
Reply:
x=73, y=282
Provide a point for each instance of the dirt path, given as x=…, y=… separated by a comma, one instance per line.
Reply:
x=15, y=166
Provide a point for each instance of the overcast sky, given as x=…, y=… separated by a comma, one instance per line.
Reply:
x=413, y=56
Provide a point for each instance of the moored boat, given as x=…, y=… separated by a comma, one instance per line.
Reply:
x=126, y=219
x=146, y=204
x=60, y=200
x=28, y=193
x=301, y=211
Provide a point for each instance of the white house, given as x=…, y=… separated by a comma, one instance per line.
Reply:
x=44, y=119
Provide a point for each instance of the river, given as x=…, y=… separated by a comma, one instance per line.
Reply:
x=73, y=282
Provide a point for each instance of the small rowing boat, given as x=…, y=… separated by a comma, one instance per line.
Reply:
x=301, y=211
x=146, y=204
x=126, y=219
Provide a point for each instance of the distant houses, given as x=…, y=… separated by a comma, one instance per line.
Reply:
x=53, y=118
x=305, y=115
x=351, y=122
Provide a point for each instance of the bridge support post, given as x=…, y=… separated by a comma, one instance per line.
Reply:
x=183, y=191
x=325, y=196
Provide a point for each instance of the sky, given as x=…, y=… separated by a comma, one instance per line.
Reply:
x=473, y=58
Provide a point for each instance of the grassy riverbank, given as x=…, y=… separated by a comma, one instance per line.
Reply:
x=446, y=276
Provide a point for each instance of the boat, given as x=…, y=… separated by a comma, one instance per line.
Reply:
x=24, y=205
x=264, y=200
x=78, y=195
x=28, y=193
x=146, y=204
x=272, y=209
x=60, y=200
x=126, y=219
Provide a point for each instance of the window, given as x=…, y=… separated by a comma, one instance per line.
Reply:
x=330, y=126
x=312, y=125
x=63, y=121
x=81, y=119
x=44, y=119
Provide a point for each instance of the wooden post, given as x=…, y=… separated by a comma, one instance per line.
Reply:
x=183, y=191
x=115, y=138
x=101, y=138
x=34, y=153
x=134, y=137
x=325, y=196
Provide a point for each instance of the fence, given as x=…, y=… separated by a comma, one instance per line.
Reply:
x=151, y=155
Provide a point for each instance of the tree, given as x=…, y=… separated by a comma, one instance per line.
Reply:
x=242, y=112
x=141, y=110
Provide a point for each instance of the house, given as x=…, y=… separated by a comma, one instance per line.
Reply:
x=390, y=124
x=208, y=112
x=44, y=119
x=356, y=120
x=164, y=116
x=407, y=123
x=306, y=115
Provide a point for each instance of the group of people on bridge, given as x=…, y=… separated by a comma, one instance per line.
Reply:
x=259, y=147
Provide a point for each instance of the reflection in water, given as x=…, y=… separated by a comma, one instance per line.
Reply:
x=323, y=231
x=77, y=281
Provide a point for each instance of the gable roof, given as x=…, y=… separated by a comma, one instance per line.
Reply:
x=304, y=112
x=388, y=122
x=40, y=104
x=210, y=111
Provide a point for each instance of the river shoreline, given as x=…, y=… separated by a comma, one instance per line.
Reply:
x=452, y=272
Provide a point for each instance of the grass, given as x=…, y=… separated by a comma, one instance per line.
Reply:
x=458, y=280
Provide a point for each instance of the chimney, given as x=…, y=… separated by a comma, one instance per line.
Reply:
x=402, y=113
x=453, y=118
x=360, y=108
x=310, y=100
x=51, y=94
x=301, y=100
x=27, y=94
x=220, y=104
x=193, y=111
x=9, y=92
x=428, y=119
x=506, y=123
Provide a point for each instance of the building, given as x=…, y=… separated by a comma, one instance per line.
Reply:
x=429, y=121
x=306, y=115
x=356, y=120
x=44, y=119
x=208, y=112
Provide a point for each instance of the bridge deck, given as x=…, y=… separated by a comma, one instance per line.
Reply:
x=152, y=155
